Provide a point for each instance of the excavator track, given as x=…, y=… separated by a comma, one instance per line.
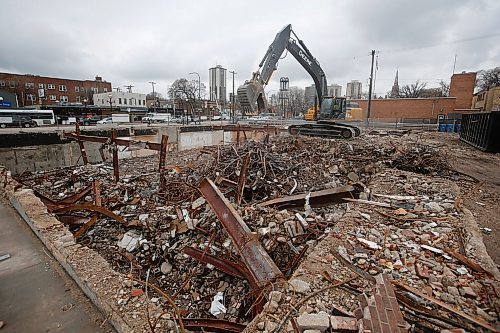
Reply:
x=325, y=129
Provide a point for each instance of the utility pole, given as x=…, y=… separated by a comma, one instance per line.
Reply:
x=370, y=90
x=232, y=107
x=154, y=96
x=129, y=88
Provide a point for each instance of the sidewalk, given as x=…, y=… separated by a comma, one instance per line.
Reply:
x=36, y=295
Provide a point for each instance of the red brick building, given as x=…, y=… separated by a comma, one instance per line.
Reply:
x=459, y=99
x=43, y=90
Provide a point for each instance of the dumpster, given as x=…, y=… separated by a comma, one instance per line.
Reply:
x=481, y=130
x=442, y=127
x=449, y=127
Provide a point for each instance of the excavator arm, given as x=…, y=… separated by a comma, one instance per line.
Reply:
x=251, y=94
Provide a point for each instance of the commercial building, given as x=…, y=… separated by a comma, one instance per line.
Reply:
x=487, y=100
x=335, y=90
x=217, y=83
x=353, y=90
x=45, y=90
x=7, y=99
x=125, y=101
x=310, y=95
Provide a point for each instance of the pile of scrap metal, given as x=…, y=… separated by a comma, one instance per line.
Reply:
x=251, y=211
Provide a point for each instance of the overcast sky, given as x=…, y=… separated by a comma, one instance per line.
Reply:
x=133, y=42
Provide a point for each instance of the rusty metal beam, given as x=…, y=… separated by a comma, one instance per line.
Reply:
x=83, y=229
x=93, y=208
x=212, y=325
x=254, y=256
x=163, y=158
x=49, y=203
x=80, y=144
x=96, y=187
x=72, y=219
x=119, y=142
x=238, y=135
x=75, y=197
x=296, y=260
x=225, y=266
x=242, y=179
x=225, y=182
x=316, y=199
x=116, y=167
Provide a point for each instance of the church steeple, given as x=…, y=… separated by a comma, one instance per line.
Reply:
x=395, y=86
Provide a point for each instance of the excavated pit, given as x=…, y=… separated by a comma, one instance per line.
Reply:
x=413, y=181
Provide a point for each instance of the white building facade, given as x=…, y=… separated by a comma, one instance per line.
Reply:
x=123, y=100
x=335, y=90
x=353, y=90
x=217, y=83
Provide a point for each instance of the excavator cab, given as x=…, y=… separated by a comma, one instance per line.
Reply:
x=332, y=108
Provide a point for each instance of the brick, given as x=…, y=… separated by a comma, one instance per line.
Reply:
x=375, y=321
x=461, y=91
x=381, y=308
x=343, y=323
x=422, y=271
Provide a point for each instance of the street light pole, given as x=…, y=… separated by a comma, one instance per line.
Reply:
x=232, y=97
x=110, y=104
x=154, y=96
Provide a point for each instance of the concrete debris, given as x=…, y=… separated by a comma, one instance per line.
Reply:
x=317, y=321
x=130, y=240
x=375, y=202
x=300, y=286
x=217, y=306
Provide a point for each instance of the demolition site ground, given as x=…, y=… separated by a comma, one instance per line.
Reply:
x=383, y=233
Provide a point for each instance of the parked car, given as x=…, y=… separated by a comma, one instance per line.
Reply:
x=89, y=121
x=19, y=121
x=107, y=120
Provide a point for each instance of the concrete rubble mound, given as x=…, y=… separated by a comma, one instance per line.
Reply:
x=287, y=234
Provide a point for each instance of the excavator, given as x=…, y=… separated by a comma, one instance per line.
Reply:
x=252, y=98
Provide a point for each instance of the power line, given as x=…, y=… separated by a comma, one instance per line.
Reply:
x=463, y=40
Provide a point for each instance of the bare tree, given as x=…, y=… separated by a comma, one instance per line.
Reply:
x=153, y=95
x=413, y=90
x=445, y=88
x=297, y=100
x=488, y=78
x=183, y=89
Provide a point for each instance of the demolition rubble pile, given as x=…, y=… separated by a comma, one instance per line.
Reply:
x=398, y=217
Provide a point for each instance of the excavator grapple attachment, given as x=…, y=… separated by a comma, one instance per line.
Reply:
x=251, y=97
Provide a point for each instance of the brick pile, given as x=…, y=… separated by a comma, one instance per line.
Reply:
x=380, y=312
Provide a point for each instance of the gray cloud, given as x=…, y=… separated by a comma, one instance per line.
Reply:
x=130, y=42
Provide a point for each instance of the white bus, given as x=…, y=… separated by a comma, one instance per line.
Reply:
x=10, y=117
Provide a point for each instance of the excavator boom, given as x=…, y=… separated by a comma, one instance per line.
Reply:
x=251, y=94
x=252, y=98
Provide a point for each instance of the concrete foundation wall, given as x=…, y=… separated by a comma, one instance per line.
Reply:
x=51, y=156
x=35, y=158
